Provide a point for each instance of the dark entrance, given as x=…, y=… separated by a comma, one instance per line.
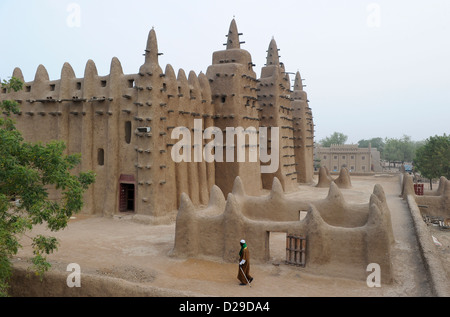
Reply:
x=127, y=193
x=126, y=197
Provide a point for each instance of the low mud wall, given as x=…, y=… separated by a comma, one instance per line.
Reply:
x=433, y=264
x=54, y=284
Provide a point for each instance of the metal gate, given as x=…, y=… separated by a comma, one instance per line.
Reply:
x=295, y=250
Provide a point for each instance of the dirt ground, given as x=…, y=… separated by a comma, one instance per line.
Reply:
x=139, y=254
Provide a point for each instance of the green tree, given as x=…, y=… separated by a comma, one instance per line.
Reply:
x=400, y=150
x=335, y=138
x=27, y=173
x=317, y=163
x=377, y=143
x=433, y=158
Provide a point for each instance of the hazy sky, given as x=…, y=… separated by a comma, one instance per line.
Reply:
x=372, y=68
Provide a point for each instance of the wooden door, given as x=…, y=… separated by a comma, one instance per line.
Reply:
x=123, y=198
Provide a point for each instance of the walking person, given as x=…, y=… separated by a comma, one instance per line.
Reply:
x=244, y=264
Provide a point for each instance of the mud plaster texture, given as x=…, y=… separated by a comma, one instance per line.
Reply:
x=124, y=256
x=338, y=234
x=434, y=204
x=325, y=178
x=122, y=125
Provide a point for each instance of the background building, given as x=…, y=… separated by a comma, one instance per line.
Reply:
x=357, y=160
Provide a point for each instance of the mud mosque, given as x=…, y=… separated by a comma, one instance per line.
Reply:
x=122, y=125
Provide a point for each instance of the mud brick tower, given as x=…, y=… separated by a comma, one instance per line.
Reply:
x=233, y=87
x=122, y=126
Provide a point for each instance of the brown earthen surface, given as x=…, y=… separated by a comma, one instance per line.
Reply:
x=123, y=256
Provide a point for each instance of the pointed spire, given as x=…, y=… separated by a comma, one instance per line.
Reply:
x=238, y=187
x=442, y=184
x=335, y=195
x=186, y=235
x=66, y=85
x=272, y=54
x=298, y=84
x=446, y=190
x=343, y=181
x=115, y=79
x=186, y=205
x=314, y=220
x=90, y=79
x=277, y=189
x=67, y=72
x=172, y=85
x=41, y=74
x=379, y=192
x=17, y=73
x=170, y=73
x=217, y=198
x=375, y=217
x=183, y=82
x=324, y=178
x=287, y=78
x=90, y=69
x=408, y=186
x=205, y=87
x=116, y=66
x=233, y=224
x=193, y=79
x=195, y=84
x=233, y=36
x=181, y=76
x=151, y=52
x=232, y=213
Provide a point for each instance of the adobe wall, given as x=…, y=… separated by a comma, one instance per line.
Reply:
x=433, y=203
x=325, y=178
x=79, y=111
x=434, y=208
x=98, y=116
x=342, y=239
